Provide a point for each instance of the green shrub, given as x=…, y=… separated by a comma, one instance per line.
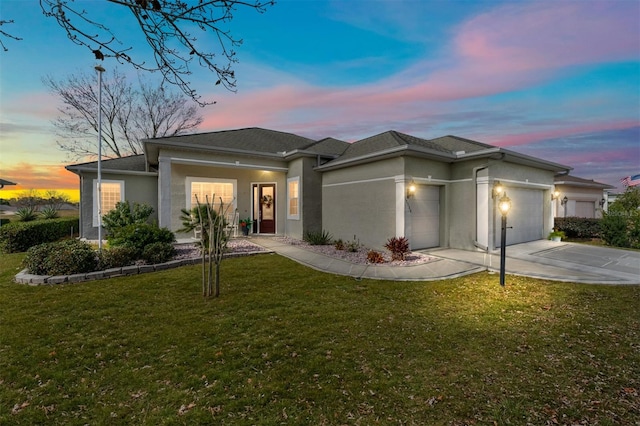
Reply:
x=140, y=235
x=4, y=221
x=61, y=258
x=621, y=224
x=116, y=257
x=318, y=238
x=352, y=246
x=158, y=252
x=375, y=257
x=123, y=215
x=398, y=246
x=49, y=212
x=20, y=236
x=27, y=214
x=579, y=227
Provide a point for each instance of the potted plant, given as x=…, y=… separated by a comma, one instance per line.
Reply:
x=556, y=235
x=245, y=223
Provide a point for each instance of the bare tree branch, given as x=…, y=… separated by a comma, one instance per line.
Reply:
x=6, y=34
x=129, y=114
x=165, y=25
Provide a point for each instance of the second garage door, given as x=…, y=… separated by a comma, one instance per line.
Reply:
x=526, y=217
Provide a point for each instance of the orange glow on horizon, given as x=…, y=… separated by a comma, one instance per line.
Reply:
x=7, y=194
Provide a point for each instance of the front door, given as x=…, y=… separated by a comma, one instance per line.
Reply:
x=265, y=207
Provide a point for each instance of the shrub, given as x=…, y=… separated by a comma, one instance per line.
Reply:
x=26, y=214
x=398, y=246
x=158, y=252
x=621, y=224
x=116, y=257
x=318, y=238
x=122, y=215
x=20, y=236
x=49, y=212
x=352, y=246
x=579, y=227
x=338, y=244
x=61, y=258
x=375, y=257
x=139, y=235
x=4, y=221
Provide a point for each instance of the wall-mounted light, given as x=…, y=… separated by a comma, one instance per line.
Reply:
x=411, y=190
x=601, y=202
x=564, y=201
x=555, y=195
x=497, y=190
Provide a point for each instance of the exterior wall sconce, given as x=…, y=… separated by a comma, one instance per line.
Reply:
x=504, y=205
x=601, y=202
x=555, y=195
x=498, y=189
x=411, y=190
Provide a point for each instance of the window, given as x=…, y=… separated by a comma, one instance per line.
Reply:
x=213, y=189
x=293, y=198
x=112, y=193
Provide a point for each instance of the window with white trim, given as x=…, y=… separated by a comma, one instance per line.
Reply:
x=293, y=198
x=112, y=193
x=212, y=189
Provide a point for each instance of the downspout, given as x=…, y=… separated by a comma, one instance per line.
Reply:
x=475, y=207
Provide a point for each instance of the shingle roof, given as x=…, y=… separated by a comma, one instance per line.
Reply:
x=578, y=181
x=250, y=139
x=134, y=163
x=328, y=146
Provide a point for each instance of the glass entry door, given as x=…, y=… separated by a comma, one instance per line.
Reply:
x=264, y=208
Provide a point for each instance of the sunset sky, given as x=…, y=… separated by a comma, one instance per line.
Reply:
x=559, y=80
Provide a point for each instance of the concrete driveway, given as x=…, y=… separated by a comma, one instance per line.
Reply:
x=558, y=261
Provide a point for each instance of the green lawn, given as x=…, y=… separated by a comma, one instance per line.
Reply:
x=285, y=344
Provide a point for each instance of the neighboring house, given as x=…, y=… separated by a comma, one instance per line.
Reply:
x=579, y=197
x=291, y=185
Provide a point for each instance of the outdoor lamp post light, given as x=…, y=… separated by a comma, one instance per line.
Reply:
x=100, y=71
x=504, y=205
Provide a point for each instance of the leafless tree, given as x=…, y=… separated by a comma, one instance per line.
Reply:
x=3, y=33
x=167, y=26
x=128, y=114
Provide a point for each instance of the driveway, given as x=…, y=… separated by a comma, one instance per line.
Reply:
x=558, y=261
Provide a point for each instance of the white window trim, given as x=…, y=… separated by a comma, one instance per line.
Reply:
x=95, y=197
x=294, y=216
x=191, y=179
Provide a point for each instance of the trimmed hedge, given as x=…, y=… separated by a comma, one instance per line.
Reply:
x=579, y=227
x=64, y=257
x=20, y=236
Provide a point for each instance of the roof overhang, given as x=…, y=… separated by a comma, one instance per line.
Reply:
x=4, y=183
x=152, y=150
x=89, y=168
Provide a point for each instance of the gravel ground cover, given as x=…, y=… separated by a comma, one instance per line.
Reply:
x=360, y=256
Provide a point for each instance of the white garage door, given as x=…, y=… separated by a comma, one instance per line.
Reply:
x=526, y=217
x=425, y=217
x=586, y=209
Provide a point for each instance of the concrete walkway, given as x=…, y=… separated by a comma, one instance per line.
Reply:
x=538, y=259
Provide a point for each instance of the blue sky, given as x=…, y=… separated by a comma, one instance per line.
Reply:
x=559, y=80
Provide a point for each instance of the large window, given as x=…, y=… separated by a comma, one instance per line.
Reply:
x=211, y=189
x=293, y=198
x=112, y=193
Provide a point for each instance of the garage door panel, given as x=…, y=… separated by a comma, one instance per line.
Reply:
x=526, y=217
x=425, y=217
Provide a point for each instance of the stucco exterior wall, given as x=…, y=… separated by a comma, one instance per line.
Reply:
x=359, y=202
x=141, y=189
x=244, y=178
x=310, y=198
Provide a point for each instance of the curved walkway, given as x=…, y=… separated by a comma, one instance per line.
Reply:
x=538, y=259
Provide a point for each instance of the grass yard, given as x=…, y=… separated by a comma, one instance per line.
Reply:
x=285, y=344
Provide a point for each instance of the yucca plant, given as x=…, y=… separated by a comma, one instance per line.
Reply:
x=398, y=246
x=319, y=238
x=26, y=214
x=49, y=212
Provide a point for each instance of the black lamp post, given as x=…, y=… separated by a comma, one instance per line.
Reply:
x=504, y=205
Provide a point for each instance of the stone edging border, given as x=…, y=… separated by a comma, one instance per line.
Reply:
x=34, y=280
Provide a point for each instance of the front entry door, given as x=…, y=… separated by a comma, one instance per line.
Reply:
x=265, y=206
